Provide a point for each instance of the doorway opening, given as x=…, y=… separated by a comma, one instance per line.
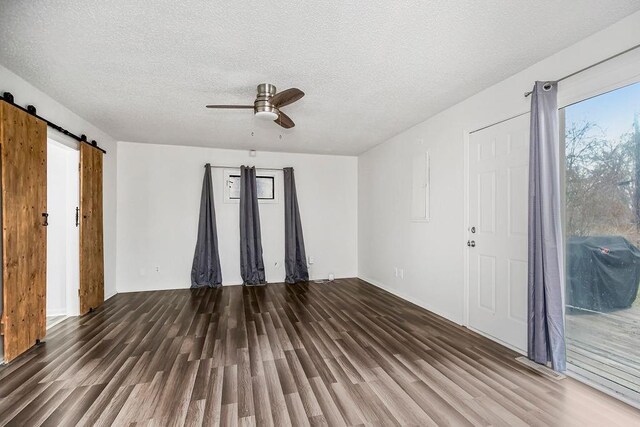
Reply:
x=62, y=232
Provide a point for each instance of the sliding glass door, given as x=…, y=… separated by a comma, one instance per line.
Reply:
x=602, y=222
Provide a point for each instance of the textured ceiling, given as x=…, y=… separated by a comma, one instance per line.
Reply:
x=143, y=71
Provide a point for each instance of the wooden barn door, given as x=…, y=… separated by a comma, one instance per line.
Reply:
x=23, y=142
x=91, y=240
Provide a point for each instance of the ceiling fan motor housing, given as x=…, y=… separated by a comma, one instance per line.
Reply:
x=262, y=105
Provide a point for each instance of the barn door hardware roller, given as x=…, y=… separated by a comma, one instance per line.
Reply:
x=31, y=109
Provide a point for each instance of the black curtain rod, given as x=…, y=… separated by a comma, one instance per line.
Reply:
x=591, y=66
x=8, y=98
x=238, y=167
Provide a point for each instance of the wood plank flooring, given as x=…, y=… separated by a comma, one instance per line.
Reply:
x=341, y=353
x=607, y=344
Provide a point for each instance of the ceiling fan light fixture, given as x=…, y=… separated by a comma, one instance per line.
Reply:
x=267, y=115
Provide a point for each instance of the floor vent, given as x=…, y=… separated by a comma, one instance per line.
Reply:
x=541, y=369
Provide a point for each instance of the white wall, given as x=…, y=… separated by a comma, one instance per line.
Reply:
x=159, y=190
x=25, y=94
x=432, y=254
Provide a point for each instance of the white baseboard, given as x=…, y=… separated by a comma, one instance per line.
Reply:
x=57, y=312
x=438, y=312
x=411, y=299
x=134, y=290
x=62, y=319
x=138, y=289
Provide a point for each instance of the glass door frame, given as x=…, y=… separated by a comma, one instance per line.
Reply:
x=592, y=379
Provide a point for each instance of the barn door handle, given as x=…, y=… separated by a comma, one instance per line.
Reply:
x=77, y=216
x=46, y=219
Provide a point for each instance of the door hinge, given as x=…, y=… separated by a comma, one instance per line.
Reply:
x=1, y=327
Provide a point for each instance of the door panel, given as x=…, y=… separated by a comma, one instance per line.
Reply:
x=23, y=140
x=518, y=182
x=517, y=275
x=498, y=188
x=91, y=234
x=487, y=282
x=487, y=202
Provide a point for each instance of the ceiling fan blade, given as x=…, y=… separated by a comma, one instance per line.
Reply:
x=230, y=106
x=286, y=97
x=284, y=121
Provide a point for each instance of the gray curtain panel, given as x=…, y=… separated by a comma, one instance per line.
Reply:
x=205, y=271
x=251, y=263
x=546, y=340
x=295, y=258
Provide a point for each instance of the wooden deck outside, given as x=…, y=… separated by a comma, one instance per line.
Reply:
x=607, y=344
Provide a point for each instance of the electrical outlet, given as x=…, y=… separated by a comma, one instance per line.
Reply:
x=157, y=269
x=311, y=260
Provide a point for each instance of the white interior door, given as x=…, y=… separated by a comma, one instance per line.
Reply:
x=497, y=233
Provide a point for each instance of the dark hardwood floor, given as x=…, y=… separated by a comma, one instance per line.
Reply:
x=342, y=353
